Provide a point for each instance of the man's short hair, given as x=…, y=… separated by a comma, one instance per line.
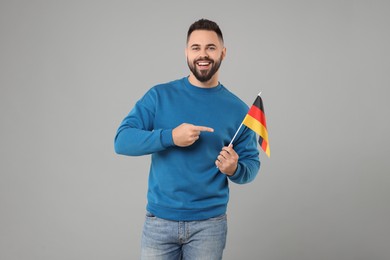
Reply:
x=204, y=24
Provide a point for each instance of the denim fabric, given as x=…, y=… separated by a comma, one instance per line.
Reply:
x=183, y=240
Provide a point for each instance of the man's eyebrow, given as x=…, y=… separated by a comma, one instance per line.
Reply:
x=207, y=45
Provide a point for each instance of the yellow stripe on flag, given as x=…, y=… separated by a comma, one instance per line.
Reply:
x=267, y=151
x=256, y=126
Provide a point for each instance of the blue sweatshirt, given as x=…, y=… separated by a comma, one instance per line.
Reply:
x=184, y=183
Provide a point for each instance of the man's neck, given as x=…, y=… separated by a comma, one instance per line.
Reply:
x=213, y=82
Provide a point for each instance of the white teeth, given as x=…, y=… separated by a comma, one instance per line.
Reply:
x=203, y=63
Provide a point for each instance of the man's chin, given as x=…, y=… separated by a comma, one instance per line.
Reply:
x=204, y=80
x=204, y=74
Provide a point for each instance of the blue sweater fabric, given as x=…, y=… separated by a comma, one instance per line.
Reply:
x=184, y=183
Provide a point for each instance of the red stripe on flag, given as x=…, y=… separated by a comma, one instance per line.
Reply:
x=264, y=145
x=256, y=113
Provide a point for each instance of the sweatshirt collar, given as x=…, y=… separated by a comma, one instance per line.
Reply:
x=196, y=89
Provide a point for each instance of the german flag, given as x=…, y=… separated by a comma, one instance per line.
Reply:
x=255, y=120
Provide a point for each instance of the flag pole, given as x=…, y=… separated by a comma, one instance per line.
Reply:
x=235, y=134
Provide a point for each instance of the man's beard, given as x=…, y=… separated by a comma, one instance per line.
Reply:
x=204, y=75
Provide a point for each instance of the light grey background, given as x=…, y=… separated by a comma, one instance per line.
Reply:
x=71, y=70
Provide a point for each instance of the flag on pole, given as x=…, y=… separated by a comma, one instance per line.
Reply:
x=255, y=120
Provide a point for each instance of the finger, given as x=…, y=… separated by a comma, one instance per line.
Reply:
x=204, y=129
x=224, y=151
x=227, y=149
x=221, y=158
x=224, y=154
x=230, y=150
x=229, y=153
x=218, y=164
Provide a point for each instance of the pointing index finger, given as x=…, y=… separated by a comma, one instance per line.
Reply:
x=204, y=129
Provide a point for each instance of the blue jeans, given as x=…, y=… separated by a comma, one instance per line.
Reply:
x=183, y=240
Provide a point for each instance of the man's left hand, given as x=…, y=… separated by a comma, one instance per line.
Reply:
x=227, y=160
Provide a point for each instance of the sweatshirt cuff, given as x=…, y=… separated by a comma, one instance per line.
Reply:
x=166, y=138
x=236, y=174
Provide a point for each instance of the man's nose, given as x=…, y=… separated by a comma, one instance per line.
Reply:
x=204, y=54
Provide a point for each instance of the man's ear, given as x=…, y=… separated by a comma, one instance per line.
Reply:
x=223, y=52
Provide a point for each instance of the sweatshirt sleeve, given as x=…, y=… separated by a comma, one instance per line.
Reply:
x=136, y=134
x=248, y=162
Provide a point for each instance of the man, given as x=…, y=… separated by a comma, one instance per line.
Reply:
x=186, y=126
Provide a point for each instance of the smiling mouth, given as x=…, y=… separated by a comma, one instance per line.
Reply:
x=203, y=64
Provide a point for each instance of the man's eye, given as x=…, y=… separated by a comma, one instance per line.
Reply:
x=195, y=48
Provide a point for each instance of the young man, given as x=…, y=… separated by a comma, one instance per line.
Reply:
x=186, y=126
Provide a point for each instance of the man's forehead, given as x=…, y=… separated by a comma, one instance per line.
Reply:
x=203, y=37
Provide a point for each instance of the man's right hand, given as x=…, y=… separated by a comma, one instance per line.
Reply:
x=187, y=134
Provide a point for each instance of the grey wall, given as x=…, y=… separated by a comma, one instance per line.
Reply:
x=71, y=70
